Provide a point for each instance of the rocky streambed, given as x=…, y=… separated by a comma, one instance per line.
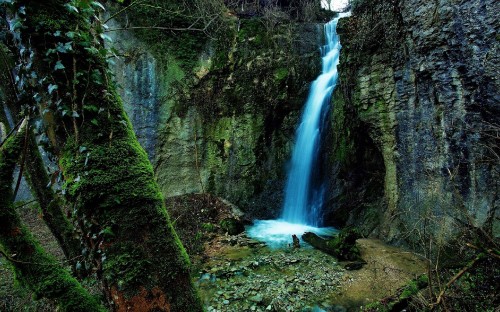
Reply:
x=240, y=274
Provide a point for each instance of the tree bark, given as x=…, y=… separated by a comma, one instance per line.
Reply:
x=108, y=177
x=34, y=268
x=51, y=205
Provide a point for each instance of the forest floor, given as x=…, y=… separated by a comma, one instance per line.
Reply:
x=12, y=297
x=236, y=274
x=244, y=275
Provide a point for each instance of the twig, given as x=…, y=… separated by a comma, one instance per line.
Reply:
x=155, y=27
x=491, y=252
x=2, y=253
x=455, y=278
x=121, y=11
x=25, y=204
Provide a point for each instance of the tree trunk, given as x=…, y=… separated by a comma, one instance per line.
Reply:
x=107, y=174
x=51, y=205
x=34, y=268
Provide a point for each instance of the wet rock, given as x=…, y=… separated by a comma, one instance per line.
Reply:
x=257, y=298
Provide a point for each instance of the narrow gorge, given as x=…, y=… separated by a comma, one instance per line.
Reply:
x=304, y=155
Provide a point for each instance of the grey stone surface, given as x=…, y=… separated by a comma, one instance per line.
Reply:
x=426, y=92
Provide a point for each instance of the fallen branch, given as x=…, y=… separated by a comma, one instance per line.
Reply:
x=455, y=278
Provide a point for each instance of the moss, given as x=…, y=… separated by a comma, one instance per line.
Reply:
x=34, y=268
x=232, y=226
x=400, y=301
x=110, y=182
x=50, y=204
x=209, y=227
x=280, y=74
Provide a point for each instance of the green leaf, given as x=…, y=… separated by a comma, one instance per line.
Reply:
x=94, y=122
x=97, y=4
x=71, y=8
x=75, y=114
x=50, y=51
x=91, y=108
x=59, y=65
x=106, y=38
x=52, y=87
x=92, y=50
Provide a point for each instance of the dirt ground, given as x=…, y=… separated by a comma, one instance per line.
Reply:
x=388, y=268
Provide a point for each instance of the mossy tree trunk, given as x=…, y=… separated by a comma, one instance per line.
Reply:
x=51, y=205
x=34, y=268
x=108, y=177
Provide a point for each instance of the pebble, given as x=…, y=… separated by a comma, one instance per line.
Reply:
x=292, y=280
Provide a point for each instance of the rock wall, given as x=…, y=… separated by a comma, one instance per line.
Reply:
x=417, y=118
x=224, y=124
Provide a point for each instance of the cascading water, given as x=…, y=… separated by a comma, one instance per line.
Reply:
x=302, y=207
x=299, y=204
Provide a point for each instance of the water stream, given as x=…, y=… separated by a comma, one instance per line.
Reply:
x=302, y=210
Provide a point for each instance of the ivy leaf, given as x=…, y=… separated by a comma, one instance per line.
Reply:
x=94, y=122
x=70, y=34
x=92, y=50
x=97, y=4
x=57, y=33
x=59, y=65
x=71, y=8
x=91, y=108
x=52, y=87
x=106, y=38
x=50, y=51
x=75, y=114
x=15, y=24
x=82, y=149
x=37, y=97
x=60, y=48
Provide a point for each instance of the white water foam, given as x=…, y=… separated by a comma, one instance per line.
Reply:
x=278, y=233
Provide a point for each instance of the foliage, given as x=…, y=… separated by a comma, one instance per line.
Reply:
x=34, y=268
x=198, y=217
x=66, y=74
x=177, y=29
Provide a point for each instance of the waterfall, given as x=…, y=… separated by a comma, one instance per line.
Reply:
x=301, y=205
x=303, y=198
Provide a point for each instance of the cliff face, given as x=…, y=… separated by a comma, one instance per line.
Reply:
x=224, y=122
x=417, y=117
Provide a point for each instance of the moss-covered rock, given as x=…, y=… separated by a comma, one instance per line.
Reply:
x=342, y=245
x=223, y=126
